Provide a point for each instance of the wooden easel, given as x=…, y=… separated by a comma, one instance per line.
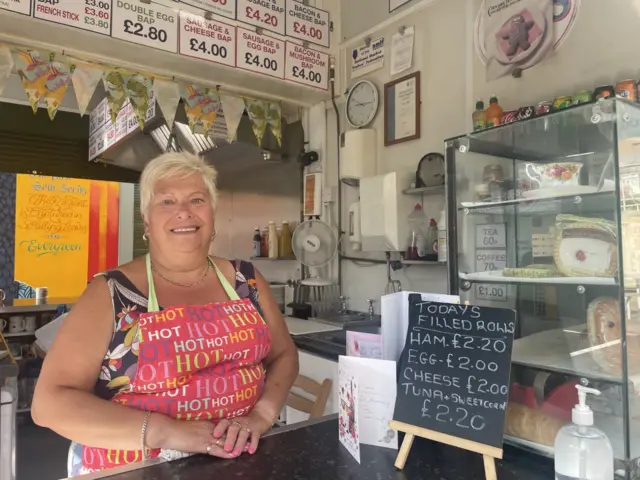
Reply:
x=488, y=453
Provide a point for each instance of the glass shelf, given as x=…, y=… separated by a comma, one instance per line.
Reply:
x=496, y=276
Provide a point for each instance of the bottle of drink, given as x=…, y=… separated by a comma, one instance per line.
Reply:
x=417, y=247
x=273, y=240
x=257, y=238
x=494, y=113
x=479, y=117
x=285, y=241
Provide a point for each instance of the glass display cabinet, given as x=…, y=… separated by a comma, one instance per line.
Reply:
x=544, y=218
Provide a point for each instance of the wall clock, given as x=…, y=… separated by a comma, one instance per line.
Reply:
x=362, y=104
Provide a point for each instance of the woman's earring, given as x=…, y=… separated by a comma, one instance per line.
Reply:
x=145, y=239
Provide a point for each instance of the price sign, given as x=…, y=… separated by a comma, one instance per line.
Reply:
x=491, y=236
x=308, y=23
x=491, y=260
x=16, y=6
x=260, y=53
x=207, y=39
x=98, y=116
x=307, y=66
x=91, y=15
x=492, y=292
x=152, y=25
x=454, y=370
x=267, y=14
x=226, y=8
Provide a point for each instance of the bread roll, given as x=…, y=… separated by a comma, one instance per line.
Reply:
x=530, y=424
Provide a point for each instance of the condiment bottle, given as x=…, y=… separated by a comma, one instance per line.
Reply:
x=285, y=241
x=479, y=117
x=417, y=247
x=264, y=242
x=257, y=240
x=273, y=240
x=494, y=113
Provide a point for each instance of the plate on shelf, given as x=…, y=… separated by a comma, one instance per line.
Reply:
x=566, y=191
x=497, y=276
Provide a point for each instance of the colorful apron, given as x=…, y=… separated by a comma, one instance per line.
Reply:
x=198, y=363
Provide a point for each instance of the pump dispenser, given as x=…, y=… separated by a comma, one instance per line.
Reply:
x=583, y=452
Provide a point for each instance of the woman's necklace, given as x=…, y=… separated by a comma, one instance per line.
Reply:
x=183, y=284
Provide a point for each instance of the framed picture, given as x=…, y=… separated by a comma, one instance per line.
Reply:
x=402, y=109
x=395, y=4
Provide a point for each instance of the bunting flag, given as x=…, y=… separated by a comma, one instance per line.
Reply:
x=274, y=119
x=233, y=108
x=56, y=86
x=116, y=96
x=6, y=66
x=33, y=68
x=257, y=110
x=85, y=79
x=137, y=88
x=167, y=95
x=219, y=128
x=201, y=106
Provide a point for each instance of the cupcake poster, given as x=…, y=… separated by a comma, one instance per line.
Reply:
x=514, y=34
x=348, y=430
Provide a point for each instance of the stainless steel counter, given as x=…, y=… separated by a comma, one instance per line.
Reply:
x=30, y=305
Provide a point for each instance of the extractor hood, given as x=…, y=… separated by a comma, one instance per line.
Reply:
x=135, y=149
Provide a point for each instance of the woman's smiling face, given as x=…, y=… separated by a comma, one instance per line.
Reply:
x=180, y=217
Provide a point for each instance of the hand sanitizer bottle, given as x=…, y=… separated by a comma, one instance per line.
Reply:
x=582, y=452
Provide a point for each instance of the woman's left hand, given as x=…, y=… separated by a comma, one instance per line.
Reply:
x=241, y=431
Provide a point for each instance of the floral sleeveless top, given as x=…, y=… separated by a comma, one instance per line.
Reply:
x=121, y=361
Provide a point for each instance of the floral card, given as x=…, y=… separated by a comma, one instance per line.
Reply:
x=365, y=345
x=348, y=410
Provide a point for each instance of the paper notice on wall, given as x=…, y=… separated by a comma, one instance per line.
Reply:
x=402, y=51
x=367, y=58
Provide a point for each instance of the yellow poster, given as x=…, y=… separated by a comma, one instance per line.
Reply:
x=52, y=233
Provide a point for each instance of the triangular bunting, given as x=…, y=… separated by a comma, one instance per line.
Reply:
x=167, y=95
x=57, y=83
x=137, y=88
x=233, y=108
x=85, y=79
x=257, y=110
x=6, y=66
x=33, y=68
x=274, y=119
x=201, y=106
x=114, y=86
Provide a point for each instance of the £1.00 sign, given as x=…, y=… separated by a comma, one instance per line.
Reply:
x=260, y=53
x=306, y=66
x=209, y=40
x=152, y=25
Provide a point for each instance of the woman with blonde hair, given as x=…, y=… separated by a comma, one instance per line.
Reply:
x=124, y=374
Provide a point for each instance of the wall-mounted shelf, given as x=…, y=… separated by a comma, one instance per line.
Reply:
x=437, y=190
x=19, y=334
x=424, y=263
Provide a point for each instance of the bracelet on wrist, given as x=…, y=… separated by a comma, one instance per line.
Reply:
x=143, y=436
x=268, y=413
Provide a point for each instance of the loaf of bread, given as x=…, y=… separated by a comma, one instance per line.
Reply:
x=531, y=424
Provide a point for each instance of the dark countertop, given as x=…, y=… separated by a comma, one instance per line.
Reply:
x=314, y=452
x=327, y=344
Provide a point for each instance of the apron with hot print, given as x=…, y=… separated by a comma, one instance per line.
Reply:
x=195, y=363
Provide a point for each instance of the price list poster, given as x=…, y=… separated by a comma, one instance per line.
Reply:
x=454, y=371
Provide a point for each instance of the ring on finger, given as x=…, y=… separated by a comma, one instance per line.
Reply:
x=210, y=447
x=218, y=442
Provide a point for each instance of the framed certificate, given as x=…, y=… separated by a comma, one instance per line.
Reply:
x=402, y=109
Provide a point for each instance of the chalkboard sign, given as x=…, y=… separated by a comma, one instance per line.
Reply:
x=454, y=370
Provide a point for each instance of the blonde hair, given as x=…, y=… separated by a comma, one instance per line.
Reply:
x=175, y=164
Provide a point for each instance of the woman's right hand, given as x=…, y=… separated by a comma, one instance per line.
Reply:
x=185, y=436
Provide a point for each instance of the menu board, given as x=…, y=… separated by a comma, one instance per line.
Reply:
x=198, y=34
x=266, y=14
x=260, y=53
x=153, y=25
x=454, y=370
x=91, y=15
x=307, y=66
x=308, y=23
x=226, y=8
x=209, y=40
x=17, y=6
